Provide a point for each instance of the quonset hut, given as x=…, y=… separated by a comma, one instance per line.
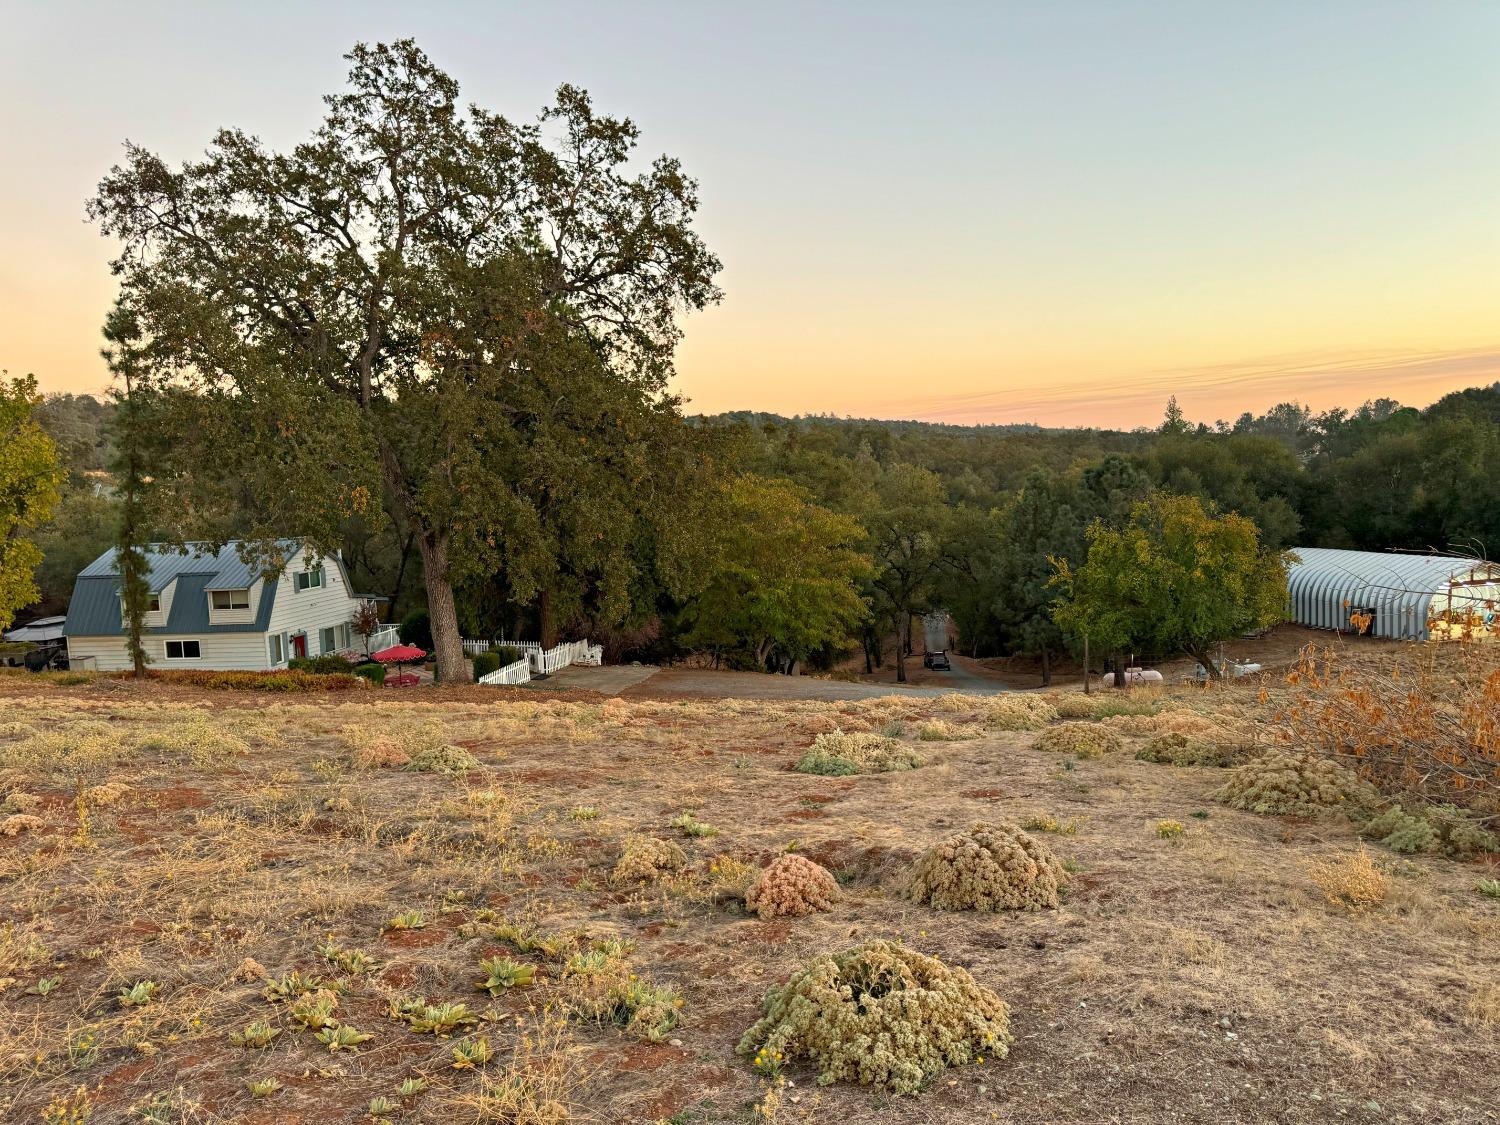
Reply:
x=1407, y=597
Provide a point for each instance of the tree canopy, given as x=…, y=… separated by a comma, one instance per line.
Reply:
x=355, y=325
x=30, y=476
x=1176, y=578
x=785, y=584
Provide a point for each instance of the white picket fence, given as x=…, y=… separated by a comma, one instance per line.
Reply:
x=536, y=660
x=517, y=673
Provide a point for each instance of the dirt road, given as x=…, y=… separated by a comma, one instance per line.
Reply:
x=647, y=682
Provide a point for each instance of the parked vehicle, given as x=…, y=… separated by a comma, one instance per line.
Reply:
x=937, y=661
x=42, y=657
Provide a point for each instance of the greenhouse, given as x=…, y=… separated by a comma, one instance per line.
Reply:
x=1403, y=596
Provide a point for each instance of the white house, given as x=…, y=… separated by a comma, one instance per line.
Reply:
x=210, y=609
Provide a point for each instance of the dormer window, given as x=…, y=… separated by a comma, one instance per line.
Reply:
x=309, y=579
x=231, y=599
x=153, y=603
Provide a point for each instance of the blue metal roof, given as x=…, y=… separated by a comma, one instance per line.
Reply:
x=94, y=610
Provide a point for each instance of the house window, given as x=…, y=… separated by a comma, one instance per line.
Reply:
x=309, y=579
x=344, y=635
x=153, y=603
x=276, y=654
x=231, y=599
x=325, y=639
x=182, y=650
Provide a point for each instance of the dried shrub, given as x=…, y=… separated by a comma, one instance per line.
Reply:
x=17, y=730
x=1084, y=740
x=880, y=1015
x=72, y=753
x=17, y=823
x=792, y=885
x=442, y=759
x=285, y=681
x=1174, y=749
x=1351, y=881
x=599, y=986
x=18, y=801
x=938, y=730
x=536, y=1086
x=1017, y=711
x=1280, y=783
x=1076, y=705
x=1426, y=723
x=989, y=867
x=206, y=742
x=1447, y=829
x=840, y=755
x=644, y=858
x=107, y=794
x=381, y=754
x=397, y=743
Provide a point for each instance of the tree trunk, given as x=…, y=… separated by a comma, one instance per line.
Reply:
x=869, y=660
x=1046, y=667
x=547, y=618
x=1121, y=683
x=900, y=663
x=442, y=611
x=1205, y=658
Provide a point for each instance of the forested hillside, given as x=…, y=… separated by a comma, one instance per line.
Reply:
x=911, y=515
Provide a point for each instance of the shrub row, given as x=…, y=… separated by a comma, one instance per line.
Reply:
x=328, y=664
x=287, y=681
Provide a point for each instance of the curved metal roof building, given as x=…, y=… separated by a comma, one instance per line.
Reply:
x=1402, y=592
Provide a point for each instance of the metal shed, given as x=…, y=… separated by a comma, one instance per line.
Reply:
x=1402, y=593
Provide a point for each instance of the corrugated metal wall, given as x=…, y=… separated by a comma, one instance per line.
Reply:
x=1327, y=586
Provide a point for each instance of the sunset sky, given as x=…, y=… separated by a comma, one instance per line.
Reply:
x=1052, y=212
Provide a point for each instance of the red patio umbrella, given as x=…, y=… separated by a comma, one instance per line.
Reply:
x=399, y=655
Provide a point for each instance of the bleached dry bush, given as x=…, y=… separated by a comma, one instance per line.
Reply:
x=1174, y=749
x=206, y=739
x=16, y=730
x=989, y=867
x=18, y=800
x=392, y=740
x=792, y=886
x=17, y=823
x=1281, y=783
x=643, y=858
x=1076, y=705
x=1016, y=711
x=1085, y=740
x=839, y=754
x=880, y=1015
x=71, y=753
x=940, y=730
x=1351, y=881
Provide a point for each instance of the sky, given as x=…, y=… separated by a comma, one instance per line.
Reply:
x=1056, y=212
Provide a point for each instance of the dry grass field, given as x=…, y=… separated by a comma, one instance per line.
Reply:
x=186, y=875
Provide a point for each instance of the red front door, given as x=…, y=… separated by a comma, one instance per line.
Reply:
x=299, y=646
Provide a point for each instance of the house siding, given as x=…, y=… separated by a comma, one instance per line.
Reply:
x=311, y=611
x=218, y=651
x=241, y=646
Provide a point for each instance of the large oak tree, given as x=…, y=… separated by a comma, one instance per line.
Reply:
x=347, y=323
